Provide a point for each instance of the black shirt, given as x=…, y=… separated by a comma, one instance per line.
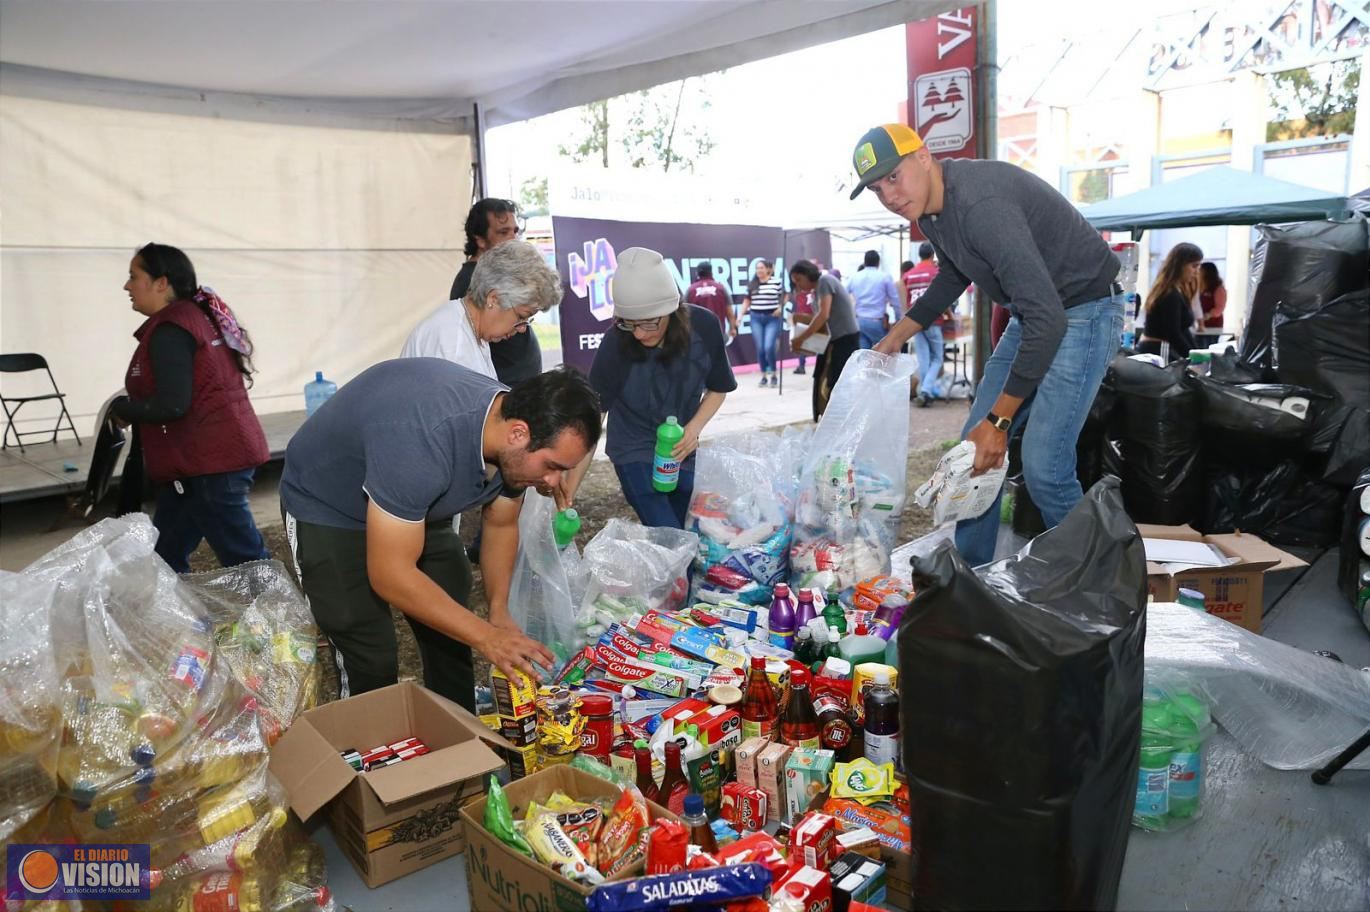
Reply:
x=1170, y=320
x=172, y=351
x=518, y=357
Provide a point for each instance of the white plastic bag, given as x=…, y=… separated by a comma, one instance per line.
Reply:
x=632, y=569
x=1289, y=708
x=851, y=486
x=953, y=492
x=742, y=510
x=542, y=598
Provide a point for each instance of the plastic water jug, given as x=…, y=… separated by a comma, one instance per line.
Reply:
x=317, y=392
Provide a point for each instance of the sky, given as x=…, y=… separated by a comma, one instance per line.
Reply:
x=790, y=122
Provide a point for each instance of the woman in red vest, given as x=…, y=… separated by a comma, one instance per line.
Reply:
x=187, y=392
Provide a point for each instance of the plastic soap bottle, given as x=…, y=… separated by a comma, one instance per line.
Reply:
x=806, y=611
x=861, y=647
x=781, y=618
x=565, y=526
x=665, y=467
x=317, y=392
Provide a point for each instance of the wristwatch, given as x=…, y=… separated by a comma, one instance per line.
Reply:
x=999, y=423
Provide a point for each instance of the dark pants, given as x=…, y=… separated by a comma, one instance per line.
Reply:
x=827, y=368
x=331, y=564
x=212, y=507
x=654, y=508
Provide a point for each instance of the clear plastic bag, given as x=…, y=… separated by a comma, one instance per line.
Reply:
x=851, y=488
x=1288, y=708
x=30, y=707
x=542, y=597
x=742, y=510
x=1176, y=723
x=632, y=569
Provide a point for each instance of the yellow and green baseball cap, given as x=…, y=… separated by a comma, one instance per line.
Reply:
x=879, y=150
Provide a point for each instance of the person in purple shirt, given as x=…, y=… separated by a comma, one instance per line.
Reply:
x=713, y=296
x=875, y=293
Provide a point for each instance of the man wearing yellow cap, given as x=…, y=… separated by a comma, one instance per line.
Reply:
x=1025, y=245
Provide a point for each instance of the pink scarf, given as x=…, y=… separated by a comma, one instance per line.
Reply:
x=223, y=317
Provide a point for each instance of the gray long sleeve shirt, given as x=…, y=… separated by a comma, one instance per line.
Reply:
x=1013, y=235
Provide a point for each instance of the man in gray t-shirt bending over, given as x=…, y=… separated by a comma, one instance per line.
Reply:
x=371, y=483
x=1028, y=248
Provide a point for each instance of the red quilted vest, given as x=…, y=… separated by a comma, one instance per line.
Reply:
x=220, y=432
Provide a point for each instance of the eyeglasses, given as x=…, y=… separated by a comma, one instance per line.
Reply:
x=527, y=321
x=632, y=325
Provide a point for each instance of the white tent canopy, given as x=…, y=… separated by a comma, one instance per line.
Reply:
x=314, y=157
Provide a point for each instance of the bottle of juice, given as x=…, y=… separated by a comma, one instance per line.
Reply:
x=799, y=723
x=665, y=467
x=759, y=706
x=646, y=782
x=782, y=618
x=882, y=720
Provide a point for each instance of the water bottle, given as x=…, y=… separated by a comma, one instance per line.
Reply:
x=317, y=392
x=665, y=467
x=565, y=525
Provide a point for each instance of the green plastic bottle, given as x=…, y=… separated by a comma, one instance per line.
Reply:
x=1153, y=774
x=1189, y=715
x=833, y=615
x=665, y=467
x=565, y=526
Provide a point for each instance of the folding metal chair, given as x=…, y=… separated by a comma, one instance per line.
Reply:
x=23, y=364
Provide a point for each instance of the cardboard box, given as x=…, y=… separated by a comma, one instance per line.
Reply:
x=392, y=821
x=806, y=777
x=500, y=878
x=770, y=778
x=744, y=759
x=1234, y=593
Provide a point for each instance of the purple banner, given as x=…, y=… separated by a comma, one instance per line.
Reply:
x=587, y=251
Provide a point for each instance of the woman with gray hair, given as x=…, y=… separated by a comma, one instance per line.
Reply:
x=511, y=285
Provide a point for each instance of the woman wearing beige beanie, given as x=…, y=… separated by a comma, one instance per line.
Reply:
x=663, y=358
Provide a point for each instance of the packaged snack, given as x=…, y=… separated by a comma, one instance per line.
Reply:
x=560, y=725
x=860, y=841
x=581, y=821
x=761, y=848
x=891, y=829
x=514, y=698
x=723, y=833
x=666, y=844
x=744, y=807
x=555, y=848
x=621, y=844
x=499, y=820
x=863, y=780
x=687, y=888
x=857, y=879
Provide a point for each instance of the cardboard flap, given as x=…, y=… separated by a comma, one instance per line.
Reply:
x=309, y=767
x=472, y=723
x=432, y=771
x=1255, y=551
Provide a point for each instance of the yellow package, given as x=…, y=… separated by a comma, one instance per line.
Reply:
x=554, y=848
x=863, y=780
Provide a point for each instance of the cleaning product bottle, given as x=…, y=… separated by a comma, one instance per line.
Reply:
x=882, y=720
x=806, y=611
x=861, y=647
x=1153, y=773
x=317, y=392
x=665, y=467
x=701, y=833
x=565, y=526
x=781, y=618
x=1189, y=716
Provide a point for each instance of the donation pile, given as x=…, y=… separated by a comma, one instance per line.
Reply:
x=138, y=707
x=851, y=485
x=702, y=725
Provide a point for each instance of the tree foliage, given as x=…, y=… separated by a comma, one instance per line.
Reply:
x=661, y=127
x=1314, y=101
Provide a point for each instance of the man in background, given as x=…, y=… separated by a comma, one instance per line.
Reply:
x=491, y=222
x=928, y=344
x=706, y=292
x=875, y=294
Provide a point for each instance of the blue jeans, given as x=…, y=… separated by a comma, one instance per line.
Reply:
x=212, y=507
x=765, y=333
x=652, y=507
x=872, y=331
x=1059, y=407
x=928, y=345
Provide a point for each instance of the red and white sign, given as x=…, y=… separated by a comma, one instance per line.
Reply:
x=942, y=87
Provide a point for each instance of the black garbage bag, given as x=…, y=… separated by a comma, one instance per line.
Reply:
x=1254, y=424
x=1327, y=349
x=1027, y=519
x=1351, y=561
x=1297, y=269
x=1283, y=505
x=1229, y=368
x=1161, y=471
x=1021, y=747
x=1350, y=450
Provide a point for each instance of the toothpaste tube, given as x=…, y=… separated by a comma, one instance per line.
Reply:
x=730, y=613
x=576, y=669
x=706, y=644
x=618, y=667
x=767, y=651
x=709, y=886
x=657, y=627
x=618, y=640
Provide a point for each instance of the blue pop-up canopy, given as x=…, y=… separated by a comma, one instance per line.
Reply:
x=1220, y=195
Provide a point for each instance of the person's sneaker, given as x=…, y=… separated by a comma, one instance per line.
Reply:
x=923, y=400
x=799, y=370
x=775, y=381
x=765, y=380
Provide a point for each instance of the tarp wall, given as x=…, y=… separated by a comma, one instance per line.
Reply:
x=329, y=242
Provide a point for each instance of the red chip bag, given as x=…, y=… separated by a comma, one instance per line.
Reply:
x=666, y=847
x=621, y=845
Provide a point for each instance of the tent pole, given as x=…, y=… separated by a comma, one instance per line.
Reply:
x=987, y=128
x=478, y=154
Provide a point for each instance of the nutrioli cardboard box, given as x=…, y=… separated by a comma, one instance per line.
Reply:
x=1234, y=593
x=392, y=821
x=500, y=878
